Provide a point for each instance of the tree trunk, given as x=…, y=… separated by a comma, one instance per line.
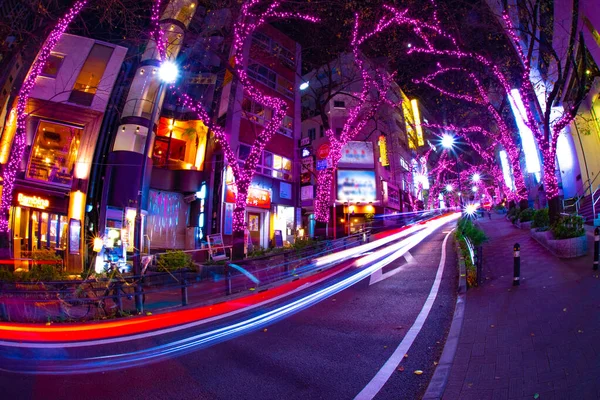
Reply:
x=323, y=196
x=523, y=204
x=239, y=222
x=237, y=249
x=554, y=209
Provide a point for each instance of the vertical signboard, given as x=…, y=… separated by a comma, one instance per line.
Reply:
x=74, y=236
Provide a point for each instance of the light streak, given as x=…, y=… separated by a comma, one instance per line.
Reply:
x=49, y=366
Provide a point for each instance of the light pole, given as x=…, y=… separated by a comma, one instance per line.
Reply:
x=167, y=74
x=448, y=144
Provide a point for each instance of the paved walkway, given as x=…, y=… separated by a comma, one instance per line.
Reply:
x=540, y=340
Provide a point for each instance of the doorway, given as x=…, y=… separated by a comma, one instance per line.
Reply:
x=254, y=227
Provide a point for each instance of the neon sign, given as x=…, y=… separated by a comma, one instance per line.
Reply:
x=33, y=201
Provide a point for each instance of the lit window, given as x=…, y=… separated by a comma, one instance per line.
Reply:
x=287, y=126
x=52, y=65
x=89, y=77
x=54, y=153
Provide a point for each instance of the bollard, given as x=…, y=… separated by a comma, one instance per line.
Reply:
x=184, y=292
x=139, y=302
x=596, y=247
x=227, y=280
x=517, y=255
x=117, y=292
x=479, y=265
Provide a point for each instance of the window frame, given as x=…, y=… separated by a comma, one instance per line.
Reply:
x=62, y=60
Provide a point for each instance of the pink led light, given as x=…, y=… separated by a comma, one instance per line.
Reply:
x=246, y=24
x=365, y=108
x=20, y=140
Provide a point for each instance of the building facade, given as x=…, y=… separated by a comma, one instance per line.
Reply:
x=65, y=111
x=274, y=63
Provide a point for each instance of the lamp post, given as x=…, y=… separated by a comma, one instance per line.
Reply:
x=448, y=144
x=167, y=74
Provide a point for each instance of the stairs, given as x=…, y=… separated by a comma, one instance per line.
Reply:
x=586, y=211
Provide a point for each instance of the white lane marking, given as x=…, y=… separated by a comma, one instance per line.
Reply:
x=400, y=249
x=382, y=376
x=379, y=276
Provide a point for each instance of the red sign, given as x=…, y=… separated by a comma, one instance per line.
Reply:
x=256, y=197
x=323, y=151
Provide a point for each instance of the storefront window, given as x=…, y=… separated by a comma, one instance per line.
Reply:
x=54, y=152
x=89, y=77
x=180, y=144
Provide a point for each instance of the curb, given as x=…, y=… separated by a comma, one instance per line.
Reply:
x=439, y=380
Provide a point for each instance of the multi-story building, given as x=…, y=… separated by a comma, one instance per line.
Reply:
x=374, y=175
x=65, y=111
x=274, y=65
x=175, y=162
x=577, y=165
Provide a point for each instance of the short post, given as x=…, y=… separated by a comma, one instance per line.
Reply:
x=184, y=290
x=479, y=255
x=139, y=304
x=364, y=237
x=227, y=280
x=517, y=255
x=596, y=247
x=118, y=294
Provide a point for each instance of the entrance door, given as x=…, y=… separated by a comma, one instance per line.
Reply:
x=254, y=228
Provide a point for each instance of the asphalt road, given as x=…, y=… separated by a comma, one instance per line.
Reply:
x=328, y=351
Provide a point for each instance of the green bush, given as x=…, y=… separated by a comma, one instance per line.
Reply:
x=468, y=229
x=500, y=208
x=568, y=227
x=173, y=260
x=526, y=215
x=541, y=219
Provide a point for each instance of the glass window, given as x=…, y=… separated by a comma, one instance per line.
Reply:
x=52, y=65
x=262, y=74
x=287, y=126
x=339, y=104
x=285, y=87
x=54, y=152
x=90, y=75
x=256, y=112
x=244, y=152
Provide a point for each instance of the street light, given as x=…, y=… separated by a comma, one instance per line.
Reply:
x=447, y=141
x=304, y=85
x=449, y=188
x=167, y=74
x=476, y=177
x=474, y=189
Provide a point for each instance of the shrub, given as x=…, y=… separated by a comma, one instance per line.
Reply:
x=568, y=227
x=174, y=260
x=471, y=231
x=500, y=208
x=541, y=219
x=526, y=215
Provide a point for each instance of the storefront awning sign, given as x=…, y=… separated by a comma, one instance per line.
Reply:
x=32, y=201
x=257, y=197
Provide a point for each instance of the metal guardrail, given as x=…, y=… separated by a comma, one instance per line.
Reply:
x=122, y=295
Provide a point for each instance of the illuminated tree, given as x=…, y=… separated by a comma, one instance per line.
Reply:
x=253, y=14
x=20, y=139
x=375, y=83
x=538, y=109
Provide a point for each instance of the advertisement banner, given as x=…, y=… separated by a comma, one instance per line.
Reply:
x=355, y=186
x=228, y=224
x=260, y=198
x=357, y=154
x=285, y=190
x=306, y=192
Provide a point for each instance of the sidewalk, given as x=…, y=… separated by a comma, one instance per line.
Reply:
x=540, y=340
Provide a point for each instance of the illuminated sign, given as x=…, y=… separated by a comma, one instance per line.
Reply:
x=260, y=198
x=415, y=109
x=323, y=151
x=383, y=154
x=355, y=186
x=357, y=154
x=33, y=201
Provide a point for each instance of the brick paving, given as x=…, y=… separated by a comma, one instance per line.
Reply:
x=539, y=340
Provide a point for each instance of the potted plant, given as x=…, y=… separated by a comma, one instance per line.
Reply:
x=568, y=237
x=525, y=218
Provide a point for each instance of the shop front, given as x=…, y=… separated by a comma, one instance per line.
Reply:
x=258, y=215
x=39, y=226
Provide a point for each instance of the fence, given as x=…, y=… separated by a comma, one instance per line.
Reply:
x=107, y=297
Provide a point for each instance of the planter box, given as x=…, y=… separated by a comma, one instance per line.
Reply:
x=562, y=248
x=525, y=225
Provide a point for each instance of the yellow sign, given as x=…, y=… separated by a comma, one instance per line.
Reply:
x=383, y=154
x=417, y=116
x=33, y=201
